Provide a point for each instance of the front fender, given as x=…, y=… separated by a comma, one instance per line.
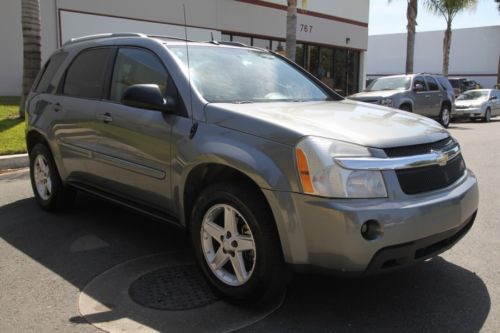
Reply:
x=269, y=164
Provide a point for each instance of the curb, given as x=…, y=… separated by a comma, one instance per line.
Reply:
x=14, y=161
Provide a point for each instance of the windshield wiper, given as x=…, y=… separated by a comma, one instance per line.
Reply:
x=243, y=102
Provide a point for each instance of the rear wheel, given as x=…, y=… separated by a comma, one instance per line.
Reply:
x=49, y=191
x=236, y=243
x=487, y=116
x=444, y=116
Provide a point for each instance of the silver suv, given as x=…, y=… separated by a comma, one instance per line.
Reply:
x=264, y=166
x=425, y=94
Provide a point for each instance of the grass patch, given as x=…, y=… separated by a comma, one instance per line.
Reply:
x=11, y=127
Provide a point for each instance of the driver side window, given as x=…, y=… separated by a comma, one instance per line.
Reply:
x=419, y=80
x=136, y=66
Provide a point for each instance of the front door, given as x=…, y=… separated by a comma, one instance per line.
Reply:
x=132, y=155
x=435, y=97
x=421, y=97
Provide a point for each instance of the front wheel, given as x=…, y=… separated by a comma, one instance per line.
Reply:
x=50, y=193
x=236, y=243
x=487, y=116
x=444, y=116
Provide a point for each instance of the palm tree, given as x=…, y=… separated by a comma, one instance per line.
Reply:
x=448, y=9
x=411, y=16
x=30, y=19
x=291, y=29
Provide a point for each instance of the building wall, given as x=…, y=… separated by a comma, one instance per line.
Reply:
x=11, y=48
x=475, y=53
x=339, y=23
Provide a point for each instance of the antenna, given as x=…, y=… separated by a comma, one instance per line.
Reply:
x=195, y=125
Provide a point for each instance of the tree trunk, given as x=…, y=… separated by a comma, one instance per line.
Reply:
x=411, y=15
x=30, y=19
x=291, y=30
x=446, y=48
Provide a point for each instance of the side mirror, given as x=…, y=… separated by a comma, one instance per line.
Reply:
x=492, y=98
x=148, y=96
x=419, y=87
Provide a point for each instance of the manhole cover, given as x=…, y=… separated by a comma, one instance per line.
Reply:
x=172, y=288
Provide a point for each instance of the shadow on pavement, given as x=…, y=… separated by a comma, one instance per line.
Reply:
x=434, y=296
x=96, y=235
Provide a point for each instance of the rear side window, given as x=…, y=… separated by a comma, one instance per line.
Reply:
x=85, y=76
x=432, y=83
x=136, y=66
x=45, y=85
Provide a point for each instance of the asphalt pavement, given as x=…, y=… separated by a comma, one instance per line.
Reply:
x=47, y=259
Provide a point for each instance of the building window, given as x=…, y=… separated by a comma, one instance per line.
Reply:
x=242, y=39
x=337, y=68
x=262, y=43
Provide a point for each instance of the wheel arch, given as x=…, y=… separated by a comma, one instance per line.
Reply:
x=206, y=174
x=33, y=137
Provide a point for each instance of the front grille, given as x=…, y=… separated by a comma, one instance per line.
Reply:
x=418, y=180
x=418, y=149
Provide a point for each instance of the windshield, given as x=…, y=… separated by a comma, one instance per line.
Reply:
x=239, y=75
x=390, y=83
x=473, y=95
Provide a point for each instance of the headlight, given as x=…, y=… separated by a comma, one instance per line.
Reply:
x=387, y=102
x=320, y=174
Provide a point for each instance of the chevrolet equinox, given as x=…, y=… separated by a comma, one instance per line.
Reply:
x=264, y=166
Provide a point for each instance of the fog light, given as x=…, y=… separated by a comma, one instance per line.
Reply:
x=371, y=230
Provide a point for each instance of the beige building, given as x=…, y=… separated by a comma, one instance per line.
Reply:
x=332, y=36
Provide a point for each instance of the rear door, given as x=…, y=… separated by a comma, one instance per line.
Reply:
x=132, y=151
x=75, y=104
x=435, y=96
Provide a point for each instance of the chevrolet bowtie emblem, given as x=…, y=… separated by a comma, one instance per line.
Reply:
x=441, y=158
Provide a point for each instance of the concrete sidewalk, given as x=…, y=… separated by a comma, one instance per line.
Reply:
x=14, y=161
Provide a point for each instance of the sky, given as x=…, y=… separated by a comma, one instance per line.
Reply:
x=388, y=18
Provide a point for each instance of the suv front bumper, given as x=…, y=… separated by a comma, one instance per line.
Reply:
x=326, y=233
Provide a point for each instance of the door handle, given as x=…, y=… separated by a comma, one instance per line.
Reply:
x=427, y=96
x=106, y=118
x=57, y=107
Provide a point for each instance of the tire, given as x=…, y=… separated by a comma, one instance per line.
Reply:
x=50, y=193
x=445, y=116
x=405, y=107
x=257, y=255
x=487, y=116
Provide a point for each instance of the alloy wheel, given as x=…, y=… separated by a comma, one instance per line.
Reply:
x=228, y=244
x=43, y=181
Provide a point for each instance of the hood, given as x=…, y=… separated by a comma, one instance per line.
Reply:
x=375, y=94
x=470, y=102
x=367, y=125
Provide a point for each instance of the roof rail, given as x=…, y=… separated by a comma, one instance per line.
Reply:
x=233, y=43
x=106, y=35
x=170, y=37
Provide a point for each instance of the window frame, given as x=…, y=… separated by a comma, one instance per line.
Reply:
x=171, y=87
x=107, y=96
x=428, y=79
x=423, y=79
x=62, y=83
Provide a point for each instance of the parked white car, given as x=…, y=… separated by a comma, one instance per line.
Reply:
x=479, y=103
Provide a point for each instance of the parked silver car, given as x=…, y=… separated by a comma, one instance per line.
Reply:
x=478, y=104
x=426, y=94
x=262, y=164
